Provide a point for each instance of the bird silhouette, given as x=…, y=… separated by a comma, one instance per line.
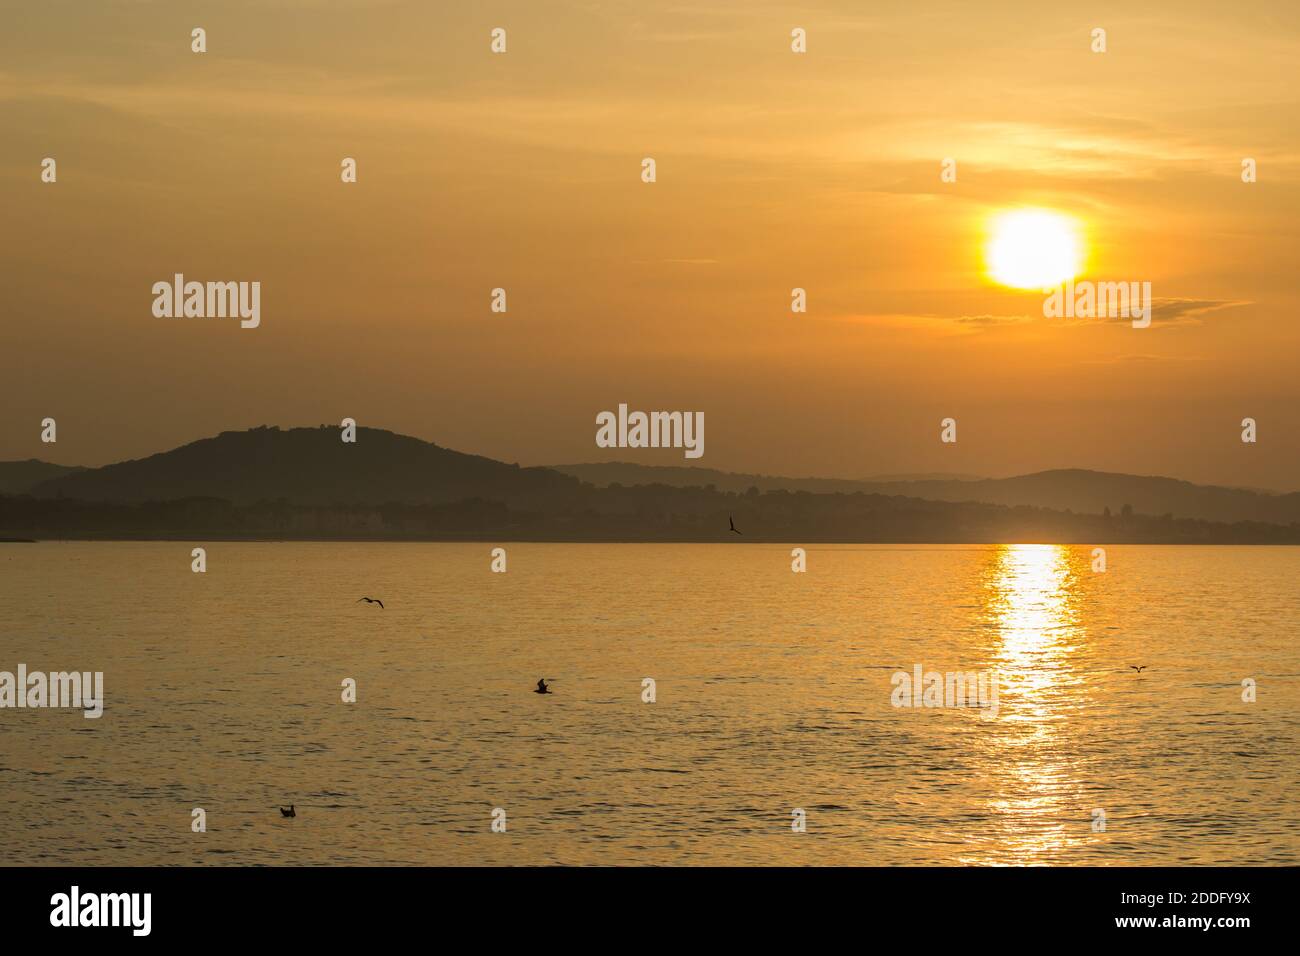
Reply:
x=732, y=522
x=372, y=601
x=541, y=686
x=288, y=813
x=1138, y=669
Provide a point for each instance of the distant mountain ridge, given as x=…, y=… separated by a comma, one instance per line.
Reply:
x=19, y=477
x=1069, y=489
x=312, y=466
x=309, y=466
x=269, y=483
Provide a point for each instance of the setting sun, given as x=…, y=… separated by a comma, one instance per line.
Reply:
x=1033, y=248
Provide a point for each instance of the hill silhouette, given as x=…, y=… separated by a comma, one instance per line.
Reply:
x=19, y=477
x=1071, y=489
x=686, y=476
x=306, y=483
x=310, y=466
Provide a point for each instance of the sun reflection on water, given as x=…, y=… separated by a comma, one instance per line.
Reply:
x=1031, y=600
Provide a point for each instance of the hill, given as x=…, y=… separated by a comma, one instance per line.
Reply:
x=310, y=466
x=19, y=477
x=269, y=482
x=1073, y=489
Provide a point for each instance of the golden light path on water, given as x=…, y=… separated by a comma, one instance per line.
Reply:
x=775, y=692
x=1032, y=596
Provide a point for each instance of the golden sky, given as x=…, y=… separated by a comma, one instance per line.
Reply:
x=775, y=170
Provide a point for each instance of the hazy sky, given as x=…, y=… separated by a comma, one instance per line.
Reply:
x=775, y=170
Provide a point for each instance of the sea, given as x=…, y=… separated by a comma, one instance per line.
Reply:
x=708, y=704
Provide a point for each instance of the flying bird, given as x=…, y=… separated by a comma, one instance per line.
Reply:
x=732, y=522
x=288, y=813
x=372, y=601
x=542, y=688
x=1138, y=669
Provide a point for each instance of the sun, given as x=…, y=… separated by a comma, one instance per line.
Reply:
x=1033, y=249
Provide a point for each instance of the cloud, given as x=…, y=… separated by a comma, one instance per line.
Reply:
x=1173, y=312
x=1190, y=311
x=1141, y=359
x=1165, y=312
x=989, y=321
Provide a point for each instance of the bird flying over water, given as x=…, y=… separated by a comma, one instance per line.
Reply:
x=732, y=522
x=1138, y=669
x=288, y=813
x=372, y=601
x=541, y=686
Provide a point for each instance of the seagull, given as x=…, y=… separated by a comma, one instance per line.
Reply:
x=289, y=812
x=542, y=688
x=372, y=601
x=731, y=522
x=1138, y=669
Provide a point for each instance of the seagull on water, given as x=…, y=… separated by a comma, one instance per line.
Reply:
x=288, y=813
x=541, y=686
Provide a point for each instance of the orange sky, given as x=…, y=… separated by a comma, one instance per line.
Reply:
x=775, y=170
